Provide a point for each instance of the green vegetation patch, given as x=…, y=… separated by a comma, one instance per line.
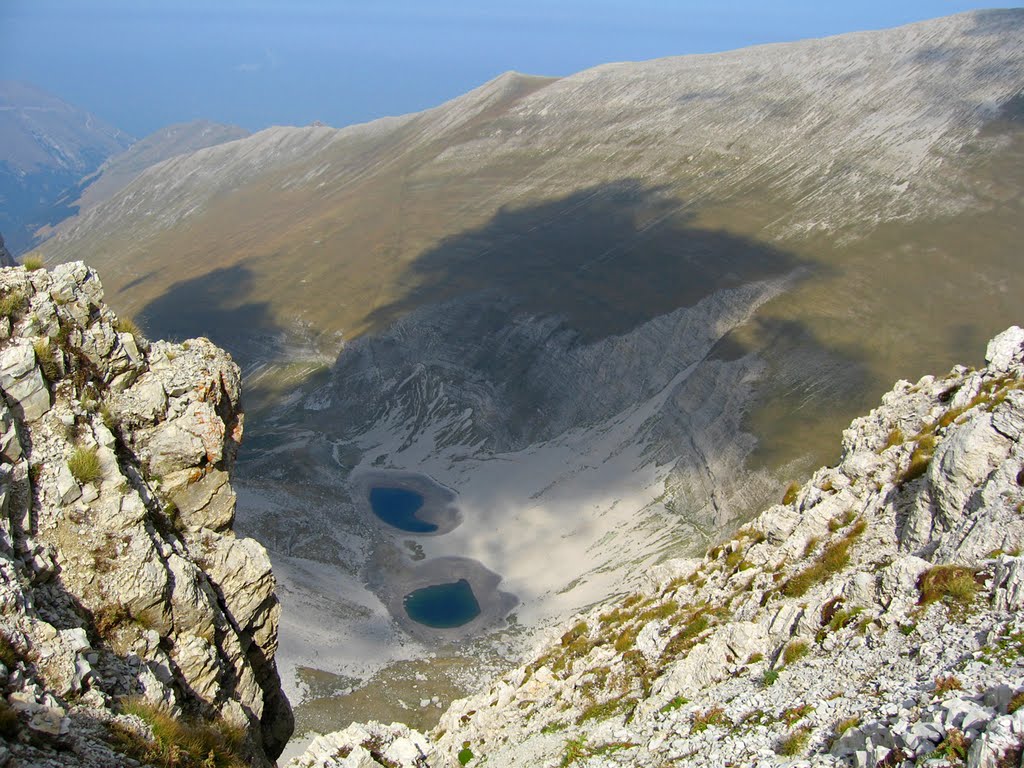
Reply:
x=607, y=709
x=676, y=703
x=32, y=262
x=919, y=460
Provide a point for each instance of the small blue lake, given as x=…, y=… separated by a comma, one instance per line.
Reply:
x=398, y=507
x=443, y=606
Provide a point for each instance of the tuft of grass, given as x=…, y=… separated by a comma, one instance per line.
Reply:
x=832, y=560
x=32, y=262
x=844, y=725
x=575, y=750
x=769, y=677
x=714, y=716
x=954, y=747
x=946, y=684
x=794, y=652
x=606, y=710
x=1015, y=703
x=12, y=303
x=791, y=492
x=919, y=460
x=755, y=657
x=685, y=637
x=794, y=715
x=676, y=703
x=84, y=464
x=794, y=743
x=109, y=618
x=178, y=742
x=895, y=438
x=45, y=358
x=127, y=325
x=951, y=584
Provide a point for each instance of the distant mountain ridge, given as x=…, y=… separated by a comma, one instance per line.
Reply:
x=46, y=145
x=121, y=169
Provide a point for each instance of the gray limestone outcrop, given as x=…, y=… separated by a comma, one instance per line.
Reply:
x=124, y=594
x=871, y=619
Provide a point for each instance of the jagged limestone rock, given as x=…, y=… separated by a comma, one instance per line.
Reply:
x=119, y=573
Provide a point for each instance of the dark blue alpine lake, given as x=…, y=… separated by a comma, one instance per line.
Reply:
x=443, y=606
x=398, y=507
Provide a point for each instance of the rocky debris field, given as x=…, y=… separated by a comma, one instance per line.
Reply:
x=871, y=619
x=135, y=627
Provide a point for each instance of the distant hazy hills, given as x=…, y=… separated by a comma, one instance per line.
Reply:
x=57, y=159
x=46, y=145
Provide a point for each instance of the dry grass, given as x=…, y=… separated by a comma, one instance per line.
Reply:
x=84, y=464
x=946, y=684
x=179, y=743
x=831, y=561
x=791, y=492
x=951, y=584
x=919, y=460
x=12, y=303
x=33, y=261
x=127, y=325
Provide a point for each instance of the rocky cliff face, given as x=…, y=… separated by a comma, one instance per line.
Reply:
x=871, y=619
x=6, y=259
x=126, y=602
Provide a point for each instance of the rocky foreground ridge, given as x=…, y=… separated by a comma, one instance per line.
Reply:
x=871, y=619
x=135, y=628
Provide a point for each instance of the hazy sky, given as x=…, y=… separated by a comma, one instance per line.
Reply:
x=142, y=64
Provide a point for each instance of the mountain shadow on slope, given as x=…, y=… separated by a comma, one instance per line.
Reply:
x=214, y=306
x=606, y=259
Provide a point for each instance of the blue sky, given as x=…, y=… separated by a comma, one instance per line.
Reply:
x=143, y=64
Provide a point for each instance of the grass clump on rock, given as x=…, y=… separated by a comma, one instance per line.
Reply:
x=84, y=464
x=11, y=303
x=790, y=495
x=831, y=561
x=32, y=262
x=953, y=584
x=919, y=460
x=794, y=652
x=178, y=743
x=794, y=743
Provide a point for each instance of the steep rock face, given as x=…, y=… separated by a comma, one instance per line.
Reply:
x=6, y=259
x=120, y=578
x=871, y=619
